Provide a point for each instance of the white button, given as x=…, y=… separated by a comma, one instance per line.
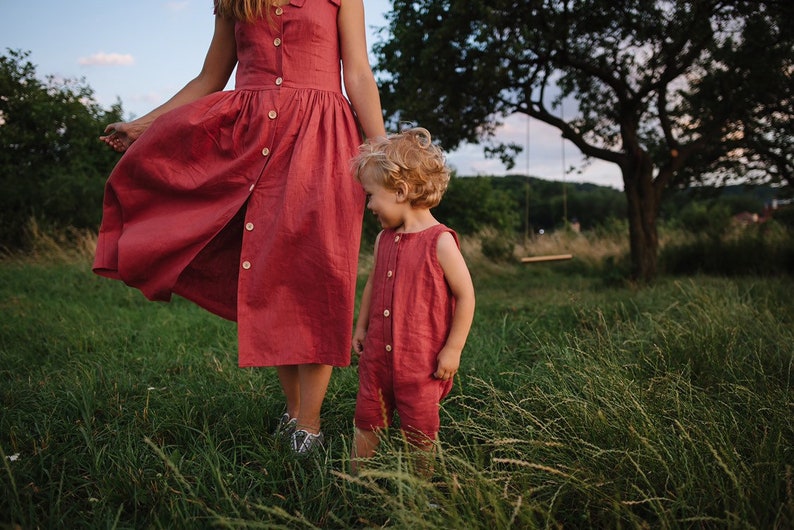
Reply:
x=272, y=114
x=279, y=80
x=279, y=11
x=249, y=226
x=386, y=313
x=396, y=238
x=246, y=265
x=251, y=188
x=277, y=42
x=265, y=151
x=390, y=274
x=388, y=347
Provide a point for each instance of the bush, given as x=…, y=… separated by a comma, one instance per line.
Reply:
x=51, y=165
x=497, y=246
x=472, y=204
x=766, y=249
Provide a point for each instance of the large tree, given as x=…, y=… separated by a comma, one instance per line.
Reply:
x=670, y=91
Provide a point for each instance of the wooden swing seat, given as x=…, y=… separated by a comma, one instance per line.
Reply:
x=552, y=257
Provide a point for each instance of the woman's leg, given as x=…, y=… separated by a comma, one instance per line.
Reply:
x=313, y=382
x=290, y=385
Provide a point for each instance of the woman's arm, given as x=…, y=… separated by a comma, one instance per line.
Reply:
x=215, y=72
x=457, y=274
x=359, y=82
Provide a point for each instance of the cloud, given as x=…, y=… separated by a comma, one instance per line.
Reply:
x=177, y=6
x=107, y=59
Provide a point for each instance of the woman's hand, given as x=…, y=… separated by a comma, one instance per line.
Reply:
x=120, y=135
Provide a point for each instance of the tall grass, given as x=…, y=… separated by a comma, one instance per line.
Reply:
x=577, y=406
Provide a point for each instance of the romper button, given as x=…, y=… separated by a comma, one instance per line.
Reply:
x=272, y=114
x=279, y=11
x=265, y=151
x=389, y=274
x=388, y=347
x=386, y=313
x=277, y=42
x=246, y=265
x=396, y=238
x=279, y=80
x=249, y=226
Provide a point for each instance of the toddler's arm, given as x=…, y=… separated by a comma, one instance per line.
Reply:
x=459, y=280
x=360, y=331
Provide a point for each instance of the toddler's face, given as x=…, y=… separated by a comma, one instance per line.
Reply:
x=384, y=203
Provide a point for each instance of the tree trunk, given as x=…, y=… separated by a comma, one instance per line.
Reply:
x=643, y=208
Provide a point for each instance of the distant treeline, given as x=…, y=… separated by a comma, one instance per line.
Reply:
x=53, y=169
x=516, y=204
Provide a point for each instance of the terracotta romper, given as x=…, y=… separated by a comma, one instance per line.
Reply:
x=243, y=201
x=410, y=318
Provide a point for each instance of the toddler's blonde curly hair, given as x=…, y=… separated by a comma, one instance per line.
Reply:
x=407, y=158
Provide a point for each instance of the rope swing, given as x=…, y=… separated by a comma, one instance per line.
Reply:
x=551, y=257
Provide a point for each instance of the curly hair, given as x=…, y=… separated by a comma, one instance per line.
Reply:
x=407, y=158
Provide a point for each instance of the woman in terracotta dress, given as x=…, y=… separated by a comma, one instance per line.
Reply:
x=243, y=201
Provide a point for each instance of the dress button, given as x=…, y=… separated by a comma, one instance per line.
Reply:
x=279, y=80
x=251, y=188
x=388, y=347
x=277, y=42
x=246, y=265
x=390, y=274
x=279, y=11
x=386, y=313
x=272, y=114
x=249, y=226
x=396, y=239
x=265, y=151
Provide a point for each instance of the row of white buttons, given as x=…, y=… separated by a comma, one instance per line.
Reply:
x=389, y=274
x=250, y=227
x=266, y=150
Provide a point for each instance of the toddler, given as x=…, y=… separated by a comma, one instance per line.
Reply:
x=418, y=302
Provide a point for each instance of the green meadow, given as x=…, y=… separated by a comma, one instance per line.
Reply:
x=582, y=402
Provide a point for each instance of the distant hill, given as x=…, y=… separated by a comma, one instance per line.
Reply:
x=548, y=204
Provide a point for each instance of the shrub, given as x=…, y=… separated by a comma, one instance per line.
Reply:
x=766, y=249
x=497, y=246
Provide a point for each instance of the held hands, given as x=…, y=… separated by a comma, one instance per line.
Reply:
x=119, y=136
x=448, y=363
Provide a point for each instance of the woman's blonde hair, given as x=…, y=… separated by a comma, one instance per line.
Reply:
x=408, y=159
x=243, y=10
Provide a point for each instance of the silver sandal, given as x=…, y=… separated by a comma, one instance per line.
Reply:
x=286, y=426
x=304, y=442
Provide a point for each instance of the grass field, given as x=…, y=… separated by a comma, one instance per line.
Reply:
x=580, y=404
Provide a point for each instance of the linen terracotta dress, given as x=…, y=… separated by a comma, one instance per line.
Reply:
x=243, y=201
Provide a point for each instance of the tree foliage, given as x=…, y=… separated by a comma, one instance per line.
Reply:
x=52, y=167
x=669, y=90
x=472, y=204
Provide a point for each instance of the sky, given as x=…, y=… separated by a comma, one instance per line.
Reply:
x=142, y=51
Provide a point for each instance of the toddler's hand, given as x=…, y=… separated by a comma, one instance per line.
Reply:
x=358, y=341
x=448, y=364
